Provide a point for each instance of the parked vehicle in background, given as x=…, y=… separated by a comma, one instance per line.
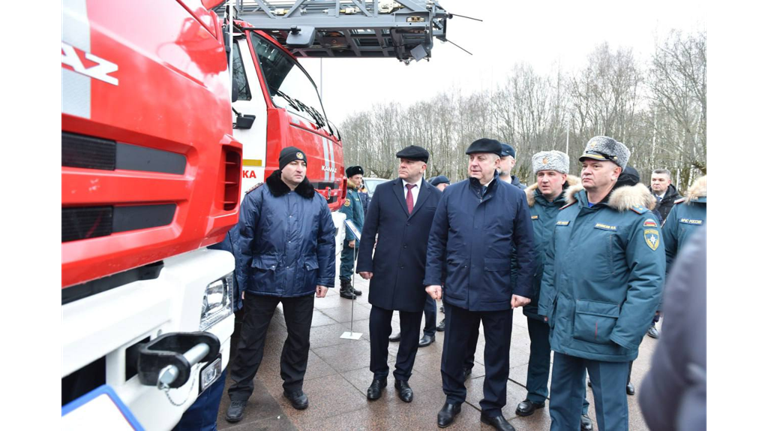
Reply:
x=371, y=183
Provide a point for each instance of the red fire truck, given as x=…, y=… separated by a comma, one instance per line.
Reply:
x=170, y=111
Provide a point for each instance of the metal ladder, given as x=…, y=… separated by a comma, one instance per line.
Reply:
x=402, y=29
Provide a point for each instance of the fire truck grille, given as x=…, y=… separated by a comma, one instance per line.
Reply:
x=92, y=222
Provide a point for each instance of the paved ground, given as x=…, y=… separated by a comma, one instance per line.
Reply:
x=337, y=379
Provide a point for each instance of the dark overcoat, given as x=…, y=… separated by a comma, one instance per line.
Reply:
x=401, y=251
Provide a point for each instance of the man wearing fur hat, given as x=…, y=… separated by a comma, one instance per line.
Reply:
x=685, y=218
x=545, y=199
x=602, y=282
x=288, y=252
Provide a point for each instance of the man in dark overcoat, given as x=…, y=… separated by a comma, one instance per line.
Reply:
x=400, y=213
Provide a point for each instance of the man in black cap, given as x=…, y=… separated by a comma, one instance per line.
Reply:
x=506, y=164
x=440, y=181
x=353, y=209
x=401, y=214
x=287, y=247
x=479, y=226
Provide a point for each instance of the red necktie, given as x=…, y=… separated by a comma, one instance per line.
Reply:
x=409, y=197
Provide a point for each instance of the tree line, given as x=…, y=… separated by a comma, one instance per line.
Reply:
x=657, y=108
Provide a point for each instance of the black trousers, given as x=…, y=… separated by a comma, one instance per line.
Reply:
x=381, y=328
x=459, y=324
x=430, y=316
x=250, y=349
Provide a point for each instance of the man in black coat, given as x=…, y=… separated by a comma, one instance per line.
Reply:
x=401, y=214
x=665, y=193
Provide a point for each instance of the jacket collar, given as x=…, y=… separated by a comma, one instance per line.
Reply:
x=670, y=195
x=475, y=186
x=628, y=192
x=698, y=191
x=398, y=189
x=622, y=198
x=571, y=186
x=278, y=188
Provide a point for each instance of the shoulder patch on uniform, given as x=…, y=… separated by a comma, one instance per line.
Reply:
x=563, y=222
x=254, y=188
x=347, y=202
x=651, y=238
x=679, y=201
x=534, y=217
x=639, y=209
x=567, y=205
x=649, y=222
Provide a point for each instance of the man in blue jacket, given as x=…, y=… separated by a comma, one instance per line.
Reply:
x=603, y=275
x=400, y=214
x=287, y=245
x=477, y=225
x=545, y=199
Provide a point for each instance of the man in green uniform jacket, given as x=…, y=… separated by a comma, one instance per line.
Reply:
x=602, y=282
x=353, y=209
x=545, y=198
x=685, y=218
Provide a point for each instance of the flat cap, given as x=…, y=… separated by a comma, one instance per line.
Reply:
x=507, y=150
x=354, y=170
x=550, y=161
x=485, y=145
x=605, y=148
x=440, y=179
x=413, y=152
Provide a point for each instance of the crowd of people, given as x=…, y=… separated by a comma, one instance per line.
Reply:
x=586, y=259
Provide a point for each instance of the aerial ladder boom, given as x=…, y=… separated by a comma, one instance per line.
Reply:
x=403, y=29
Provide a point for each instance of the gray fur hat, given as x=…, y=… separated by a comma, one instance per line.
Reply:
x=550, y=161
x=605, y=148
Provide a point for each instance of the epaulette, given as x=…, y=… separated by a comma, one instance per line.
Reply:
x=567, y=205
x=254, y=188
x=679, y=201
x=639, y=209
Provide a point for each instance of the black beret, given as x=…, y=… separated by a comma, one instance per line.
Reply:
x=440, y=179
x=413, y=152
x=289, y=154
x=485, y=145
x=354, y=170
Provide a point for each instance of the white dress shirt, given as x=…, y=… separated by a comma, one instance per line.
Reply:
x=414, y=191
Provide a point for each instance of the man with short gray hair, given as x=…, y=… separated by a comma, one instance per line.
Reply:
x=664, y=192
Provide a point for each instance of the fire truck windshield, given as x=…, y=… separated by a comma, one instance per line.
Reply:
x=289, y=84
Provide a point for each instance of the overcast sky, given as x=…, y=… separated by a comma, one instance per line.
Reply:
x=540, y=33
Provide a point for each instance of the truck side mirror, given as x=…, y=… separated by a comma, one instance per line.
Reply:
x=244, y=121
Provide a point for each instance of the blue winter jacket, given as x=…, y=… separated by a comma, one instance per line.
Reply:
x=603, y=275
x=475, y=234
x=230, y=244
x=287, y=240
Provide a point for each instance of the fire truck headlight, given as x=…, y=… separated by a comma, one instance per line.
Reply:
x=217, y=302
